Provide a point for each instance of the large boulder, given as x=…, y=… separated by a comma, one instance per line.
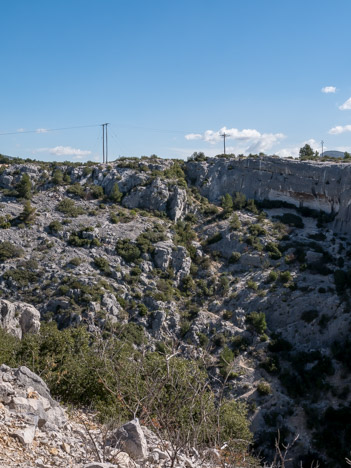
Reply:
x=19, y=318
x=131, y=439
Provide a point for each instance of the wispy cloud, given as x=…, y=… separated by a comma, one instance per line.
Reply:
x=20, y=130
x=346, y=105
x=340, y=129
x=41, y=130
x=250, y=140
x=328, y=89
x=64, y=151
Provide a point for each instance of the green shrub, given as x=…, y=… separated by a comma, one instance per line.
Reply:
x=5, y=222
x=24, y=187
x=226, y=359
x=235, y=222
x=273, y=276
x=128, y=250
x=252, y=285
x=9, y=250
x=239, y=201
x=227, y=203
x=75, y=261
x=257, y=320
x=96, y=191
x=21, y=276
x=114, y=218
x=77, y=190
x=102, y=264
x=203, y=339
x=285, y=276
x=115, y=195
x=184, y=327
x=55, y=226
x=235, y=257
x=28, y=214
x=257, y=230
x=69, y=208
x=143, y=310
x=264, y=388
x=273, y=250
x=57, y=177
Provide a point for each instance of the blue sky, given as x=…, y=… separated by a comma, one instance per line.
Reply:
x=171, y=75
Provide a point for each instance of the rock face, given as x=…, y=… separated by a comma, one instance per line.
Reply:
x=157, y=196
x=319, y=186
x=19, y=318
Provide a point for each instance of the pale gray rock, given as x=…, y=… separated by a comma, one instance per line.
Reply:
x=28, y=379
x=157, y=196
x=181, y=263
x=177, y=204
x=130, y=438
x=162, y=254
x=26, y=435
x=18, y=318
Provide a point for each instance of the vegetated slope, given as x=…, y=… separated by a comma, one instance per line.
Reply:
x=259, y=296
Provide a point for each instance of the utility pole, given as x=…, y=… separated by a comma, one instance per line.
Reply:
x=224, y=135
x=322, y=143
x=104, y=143
x=106, y=156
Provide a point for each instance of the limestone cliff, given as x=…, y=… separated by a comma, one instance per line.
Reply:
x=319, y=186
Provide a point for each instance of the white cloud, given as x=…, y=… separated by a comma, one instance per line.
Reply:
x=20, y=130
x=249, y=140
x=328, y=89
x=346, y=105
x=340, y=129
x=41, y=130
x=193, y=136
x=65, y=151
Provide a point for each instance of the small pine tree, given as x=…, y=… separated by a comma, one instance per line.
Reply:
x=227, y=202
x=57, y=177
x=115, y=195
x=28, y=214
x=24, y=187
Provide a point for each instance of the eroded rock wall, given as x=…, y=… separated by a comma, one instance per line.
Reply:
x=319, y=186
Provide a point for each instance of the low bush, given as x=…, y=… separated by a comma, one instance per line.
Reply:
x=129, y=251
x=257, y=321
x=69, y=208
x=235, y=257
x=9, y=250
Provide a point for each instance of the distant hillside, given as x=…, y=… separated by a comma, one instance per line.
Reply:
x=333, y=154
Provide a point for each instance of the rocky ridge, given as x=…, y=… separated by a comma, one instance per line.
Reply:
x=195, y=276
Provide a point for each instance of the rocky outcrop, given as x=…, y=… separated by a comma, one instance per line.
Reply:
x=35, y=431
x=19, y=318
x=158, y=196
x=319, y=186
x=166, y=255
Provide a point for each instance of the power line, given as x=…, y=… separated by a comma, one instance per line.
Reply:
x=47, y=130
